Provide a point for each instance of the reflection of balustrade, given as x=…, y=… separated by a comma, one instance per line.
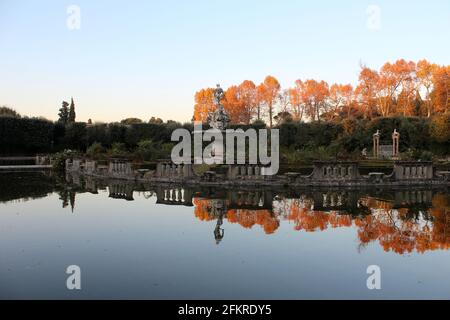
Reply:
x=174, y=196
x=412, y=197
x=335, y=200
x=121, y=191
x=255, y=200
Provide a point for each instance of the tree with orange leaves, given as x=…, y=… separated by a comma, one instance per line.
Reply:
x=268, y=92
x=204, y=103
x=295, y=99
x=248, y=94
x=424, y=73
x=233, y=104
x=340, y=100
x=240, y=102
x=392, y=79
x=441, y=92
x=366, y=91
x=314, y=96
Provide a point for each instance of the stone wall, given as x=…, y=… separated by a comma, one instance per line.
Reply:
x=331, y=173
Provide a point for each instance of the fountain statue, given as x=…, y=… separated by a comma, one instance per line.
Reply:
x=218, y=119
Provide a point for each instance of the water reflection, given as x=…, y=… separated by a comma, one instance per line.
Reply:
x=400, y=221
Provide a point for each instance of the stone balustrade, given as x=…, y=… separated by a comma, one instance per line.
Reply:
x=120, y=168
x=324, y=173
x=412, y=170
x=172, y=170
x=329, y=170
x=245, y=171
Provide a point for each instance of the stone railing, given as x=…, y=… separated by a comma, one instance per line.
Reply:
x=413, y=170
x=336, y=173
x=113, y=168
x=171, y=170
x=245, y=171
x=329, y=170
x=120, y=168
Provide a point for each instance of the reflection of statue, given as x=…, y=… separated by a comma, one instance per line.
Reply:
x=218, y=231
x=217, y=208
x=218, y=119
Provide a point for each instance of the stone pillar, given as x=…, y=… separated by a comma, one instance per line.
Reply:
x=395, y=143
x=187, y=171
x=376, y=144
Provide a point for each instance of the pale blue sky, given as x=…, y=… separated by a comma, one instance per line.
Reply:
x=147, y=58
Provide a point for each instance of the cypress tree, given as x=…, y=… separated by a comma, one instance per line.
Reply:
x=72, y=114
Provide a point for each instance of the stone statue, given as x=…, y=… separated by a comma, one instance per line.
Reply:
x=218, y=119
x=364, y=152
x=218, y=95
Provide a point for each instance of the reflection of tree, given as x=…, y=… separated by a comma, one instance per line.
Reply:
x=401, y=230
x=72, y=195
x=248, y=218
x=64, y=197
x=245, y=217
x=67, y=197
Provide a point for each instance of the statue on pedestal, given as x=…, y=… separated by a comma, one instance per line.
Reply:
x=218, y=119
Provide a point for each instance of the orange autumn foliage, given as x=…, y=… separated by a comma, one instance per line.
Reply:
x=399, y=88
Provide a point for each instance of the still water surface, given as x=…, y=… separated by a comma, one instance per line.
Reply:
x=138, y=241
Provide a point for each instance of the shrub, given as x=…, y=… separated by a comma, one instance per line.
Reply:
x=95, y=150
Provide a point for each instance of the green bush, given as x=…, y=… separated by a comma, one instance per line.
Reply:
x=95, y=150
x=118, y=150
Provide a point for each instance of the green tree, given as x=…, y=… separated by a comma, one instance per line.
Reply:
x=8, y=112
x=131, y=121
x=64, y=113
x=72, y=114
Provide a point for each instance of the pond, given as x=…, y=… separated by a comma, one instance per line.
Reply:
x=137, y=241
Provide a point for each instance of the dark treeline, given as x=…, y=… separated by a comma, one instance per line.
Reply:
x=32, y=135
x=339, y=139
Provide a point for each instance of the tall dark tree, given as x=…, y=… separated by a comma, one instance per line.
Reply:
x=72, y=114
x=64, y=113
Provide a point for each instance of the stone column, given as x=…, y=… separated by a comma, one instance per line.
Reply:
x=395, y=143
x=376, y=144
